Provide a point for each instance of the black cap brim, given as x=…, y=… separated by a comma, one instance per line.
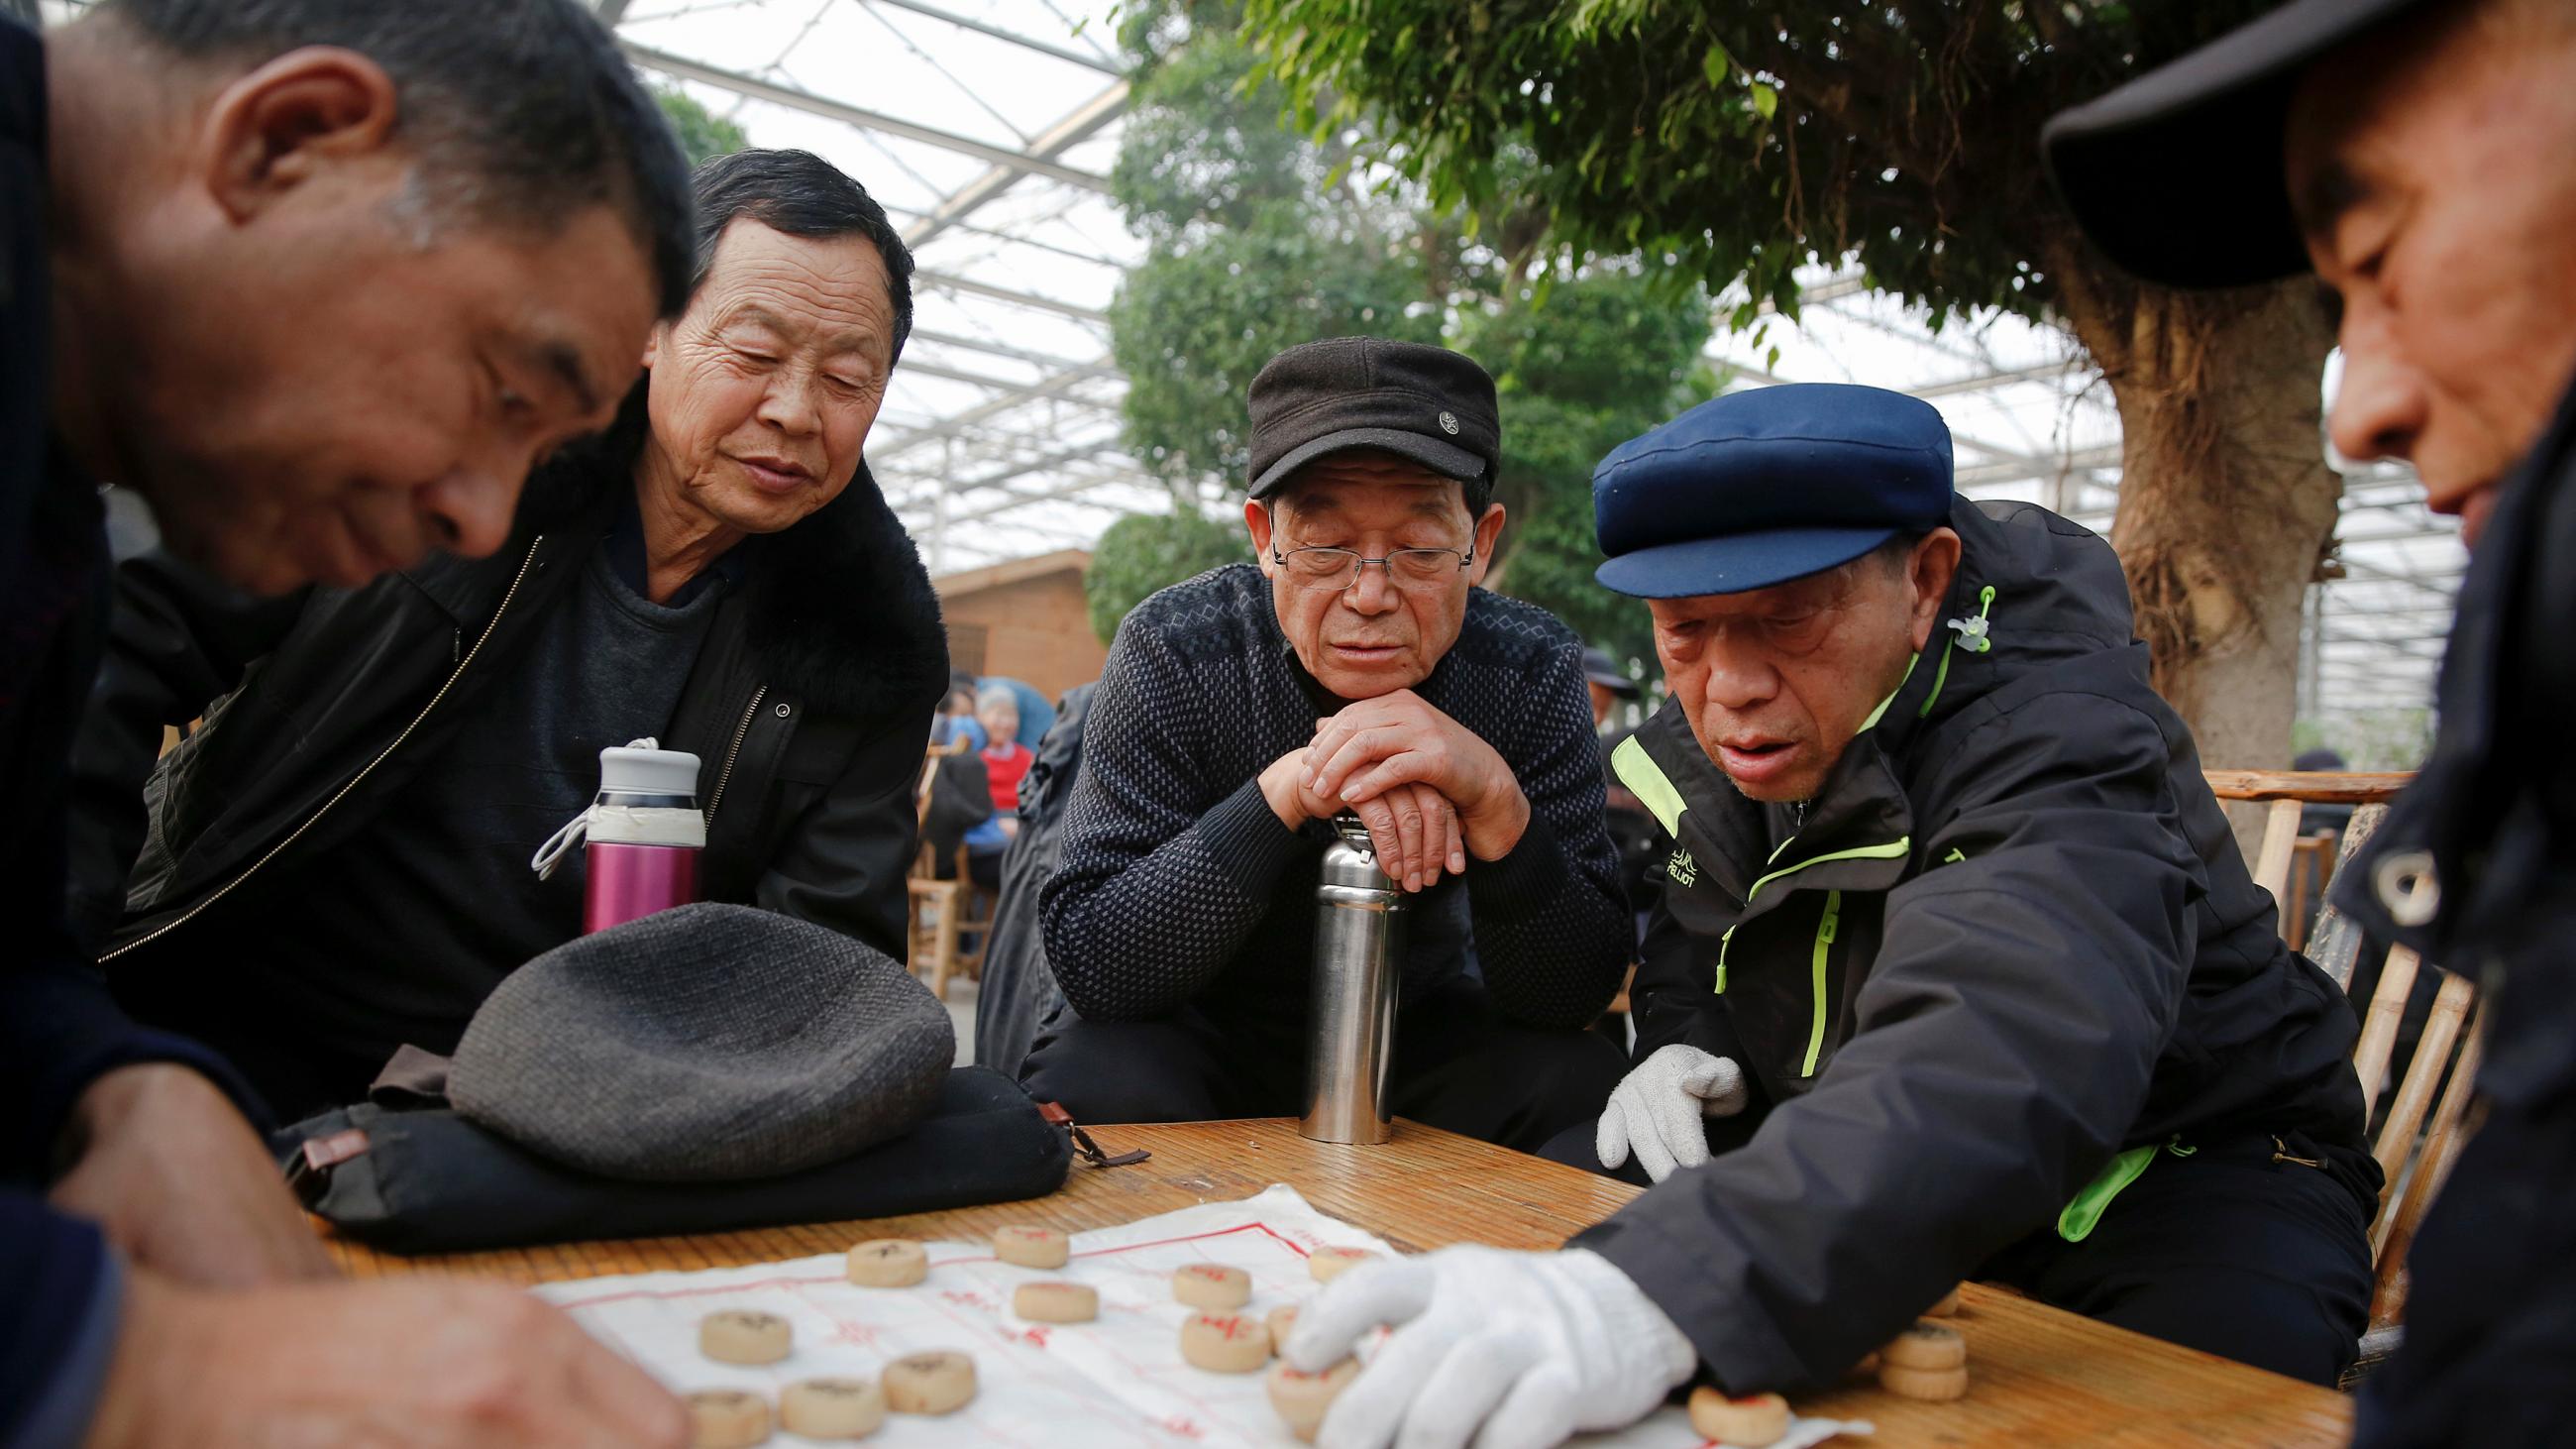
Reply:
x=2177, y=176
x=1446, y=459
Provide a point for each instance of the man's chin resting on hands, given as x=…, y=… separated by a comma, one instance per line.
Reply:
x=1355, y=669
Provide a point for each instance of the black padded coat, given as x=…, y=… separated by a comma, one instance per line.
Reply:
x=810, y=705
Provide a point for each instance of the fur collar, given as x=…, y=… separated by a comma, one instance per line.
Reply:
x=841, y=612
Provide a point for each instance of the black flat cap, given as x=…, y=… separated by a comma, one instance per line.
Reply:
x=1425, y=403
x=2177, y=176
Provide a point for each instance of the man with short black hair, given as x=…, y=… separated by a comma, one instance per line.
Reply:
x=319, y=280
x=717, y=571
x=2417, y=156
x=1356, y=668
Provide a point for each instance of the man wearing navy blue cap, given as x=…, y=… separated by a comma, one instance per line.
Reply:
x=1957, y=971
x=2420, y=157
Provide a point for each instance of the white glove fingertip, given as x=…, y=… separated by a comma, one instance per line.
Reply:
x=1537, y=1414
x=1473, y=1378
x=1387, y=1292
x=1610, y=1138
x=1653, y=1156
x=1372, y=1409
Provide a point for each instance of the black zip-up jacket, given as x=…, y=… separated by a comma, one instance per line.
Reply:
x=2011, y=938
x=810, y=705
x=2491, y=1306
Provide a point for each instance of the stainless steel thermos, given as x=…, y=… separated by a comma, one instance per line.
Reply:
x=1359, y=960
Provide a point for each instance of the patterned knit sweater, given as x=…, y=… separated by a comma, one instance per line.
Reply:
x=1178, y=885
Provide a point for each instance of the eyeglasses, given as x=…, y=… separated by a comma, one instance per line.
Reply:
x=1336, y=569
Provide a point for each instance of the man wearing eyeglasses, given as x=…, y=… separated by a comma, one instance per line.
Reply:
x=1355, y=668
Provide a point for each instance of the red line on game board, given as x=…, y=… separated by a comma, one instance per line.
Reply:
x=785, y=1280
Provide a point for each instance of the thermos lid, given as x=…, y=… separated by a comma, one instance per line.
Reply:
x=639, y=770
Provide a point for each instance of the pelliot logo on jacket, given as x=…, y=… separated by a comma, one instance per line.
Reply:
x=1681, y=869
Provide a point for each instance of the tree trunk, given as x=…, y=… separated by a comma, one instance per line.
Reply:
x=2226, y=503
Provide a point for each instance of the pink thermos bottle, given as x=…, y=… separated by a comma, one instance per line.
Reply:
x=643, y=836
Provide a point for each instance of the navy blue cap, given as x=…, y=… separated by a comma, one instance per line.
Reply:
x=1760, y=487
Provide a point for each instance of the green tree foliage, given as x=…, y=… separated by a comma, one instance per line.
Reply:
x=1732, y=141
x=1259, y=239
x=1144, y=553
x=1603, y=357
x=703, y=134
x=1741, y=137
x=1251, y=251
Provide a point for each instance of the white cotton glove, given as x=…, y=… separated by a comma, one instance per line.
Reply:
x=1659, y=1107
x=1505, y=1350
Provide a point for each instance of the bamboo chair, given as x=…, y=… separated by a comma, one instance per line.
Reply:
x=936, y=906
x=975, y=912
x=2429, y=1115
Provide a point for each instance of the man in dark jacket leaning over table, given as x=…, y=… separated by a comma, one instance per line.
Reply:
x=267, y=264
x=1954, y=941
x=1356, y=668
x=717, y=571
x=2419, y=156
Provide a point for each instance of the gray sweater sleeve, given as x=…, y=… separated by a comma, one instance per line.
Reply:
x=1154, y=893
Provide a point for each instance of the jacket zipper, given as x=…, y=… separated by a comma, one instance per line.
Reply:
x=2281, y=1153
x=733, y=751
x=381, y=756
x=1826, y=926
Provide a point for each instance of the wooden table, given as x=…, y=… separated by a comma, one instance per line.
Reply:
x=2039, y=1376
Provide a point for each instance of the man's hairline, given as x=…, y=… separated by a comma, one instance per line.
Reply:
x=435, y=198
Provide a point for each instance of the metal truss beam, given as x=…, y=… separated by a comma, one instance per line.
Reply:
x=812, y=104
x=2051, y=372
x=958, y=374
x=934, y=482
x=1080, y=494
x=1004, y=349
x=954, y=283
x=1085, y=122
x=1052, y=387
x=998, y=33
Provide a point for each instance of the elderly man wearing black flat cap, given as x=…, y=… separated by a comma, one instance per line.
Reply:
x=2420, y=158
x=1957, y=971
x=1358, y=668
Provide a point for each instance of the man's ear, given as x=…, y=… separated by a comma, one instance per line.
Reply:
x=1934, y=564
x=291, y=119
x=1488, y=529
x=1256, y=518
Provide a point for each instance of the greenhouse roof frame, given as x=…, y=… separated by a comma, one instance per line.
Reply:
x=989, y=128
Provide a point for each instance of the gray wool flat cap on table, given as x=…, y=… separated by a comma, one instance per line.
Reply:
x=708, y=1043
